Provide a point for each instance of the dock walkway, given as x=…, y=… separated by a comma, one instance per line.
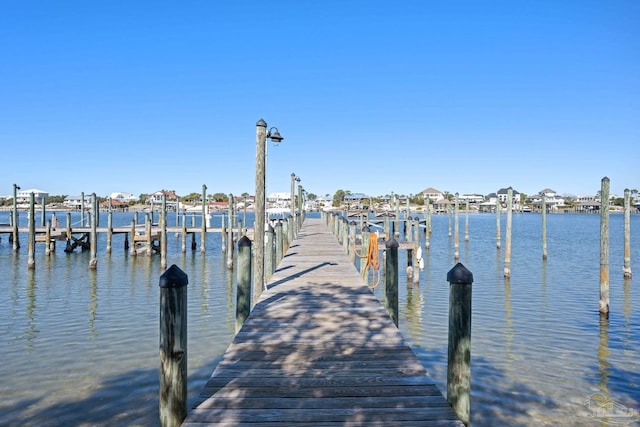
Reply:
x=318, y=349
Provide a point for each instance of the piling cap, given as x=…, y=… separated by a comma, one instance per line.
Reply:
x=244, y=241
x=262, y=123
x=174, y=278
x=391, y=243
x=459, y=275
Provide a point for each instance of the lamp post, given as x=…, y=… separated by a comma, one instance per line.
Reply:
x=260, y=213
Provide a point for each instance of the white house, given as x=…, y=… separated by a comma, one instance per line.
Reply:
x=551, y=199
x=432, y=194
x=75, y=202
x=24, y=196
x=503, y=194
x=279, y=200
x=123, y=197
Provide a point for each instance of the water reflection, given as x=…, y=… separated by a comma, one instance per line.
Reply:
x=603, y=356
x=508, y=324
x=93, y=303
x=32, y=329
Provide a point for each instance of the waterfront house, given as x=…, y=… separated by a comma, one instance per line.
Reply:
x=432, y=194
x=502, y=195
x=24, y=196
x=123, y=197
x=173, y=200
x=552, y=200
x=77, y=202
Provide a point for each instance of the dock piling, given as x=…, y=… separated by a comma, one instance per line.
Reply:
x=604, y=247
x=459, y=347
x=173, y=346
x=243, y=297
x=391, y=278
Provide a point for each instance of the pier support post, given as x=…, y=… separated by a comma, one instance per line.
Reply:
x=466, y=222
x=203, y=232
x=456, y=237
x=132, y=250
x=604, y=247
x=230, y=234
x=459, y=349
x=109, y=229
x=391, y=278
x=498, y=209
x=31, y=246
x=626, y=269
x=173, y=347
x=163, y=233
x=544, y=227
x=507, y=238
x=93, y=245
x=14, y=219
x=243, y=297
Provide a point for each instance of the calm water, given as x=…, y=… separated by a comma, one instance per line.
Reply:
x=80, y=347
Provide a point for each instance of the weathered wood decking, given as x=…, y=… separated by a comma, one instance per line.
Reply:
x=319, y=350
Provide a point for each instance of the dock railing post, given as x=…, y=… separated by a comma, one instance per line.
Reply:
x=243, y=297
x=173, y=346
x=459, y=350
x=391, y=278
x=279, y=242
x=269, y=254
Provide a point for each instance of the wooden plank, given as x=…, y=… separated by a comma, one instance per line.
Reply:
x=319, y=349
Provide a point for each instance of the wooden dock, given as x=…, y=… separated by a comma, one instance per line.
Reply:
x=318, y=349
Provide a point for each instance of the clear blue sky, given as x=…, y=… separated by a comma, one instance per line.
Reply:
x=371, y=96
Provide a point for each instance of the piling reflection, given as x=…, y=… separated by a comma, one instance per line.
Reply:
x=93, y=303
x=627, y=308
x=603, y=356
x=508, y=324
x=32, y=329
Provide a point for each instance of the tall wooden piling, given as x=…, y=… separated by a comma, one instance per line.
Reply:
x=466, y=222
x=43, y=212
x=203, y=233
x=31, y=246
x=15, y=219
x=498, y=209
x=230, y=234
x=456, y=237
x=93, y=237
x=459, y=348
x=109, y=229
x=47, y=239
x=507, y=239
x=132, y=250
x=163, y=233
x=391, y=278
x=173, y=347
x=604, y=247
x=544, y=227
x=364, y=252
x=243, y=297
x=626, y=268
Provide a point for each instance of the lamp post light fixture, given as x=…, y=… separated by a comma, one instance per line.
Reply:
x=260, y=212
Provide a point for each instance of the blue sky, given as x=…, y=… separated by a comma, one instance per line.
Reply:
x=371, y=96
